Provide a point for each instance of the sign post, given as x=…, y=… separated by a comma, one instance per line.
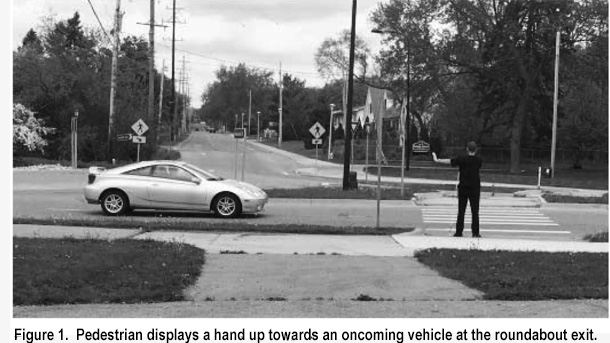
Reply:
x=237, y=134
x=139, y=127
x=366, y=154
x=317, y=130
x=74, y=140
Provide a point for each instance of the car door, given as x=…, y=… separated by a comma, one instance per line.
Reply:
x=136, y=183
x=175, y=188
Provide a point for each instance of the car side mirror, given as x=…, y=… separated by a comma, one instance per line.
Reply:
x=196, y=180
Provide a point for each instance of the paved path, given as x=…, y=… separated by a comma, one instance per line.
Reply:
x=321, y=276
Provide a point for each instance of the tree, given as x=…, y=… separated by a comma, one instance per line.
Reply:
x=229, y=94
x=28, y=132
x=409, y=60
x=509, y=47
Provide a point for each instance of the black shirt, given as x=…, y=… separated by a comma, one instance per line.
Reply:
x=469, y=170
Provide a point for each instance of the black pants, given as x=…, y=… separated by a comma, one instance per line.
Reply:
x=472, y=195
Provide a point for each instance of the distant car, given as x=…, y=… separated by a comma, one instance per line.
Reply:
x=170, y=185
x=210, y=129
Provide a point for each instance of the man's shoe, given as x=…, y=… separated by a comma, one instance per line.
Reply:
x=476, y=236
x=457, y=235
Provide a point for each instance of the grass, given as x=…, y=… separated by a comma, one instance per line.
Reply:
x=498, y=173
x=512, y=275
x=179, y=224
x=423, y=167
x=369, y=192
x=560, y=198
x=162, y=153
x=600, y=237
x=71, y=271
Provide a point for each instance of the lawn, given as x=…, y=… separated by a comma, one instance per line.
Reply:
x=71, y=271
x=511, y=275
x=182, y=223
x=590, y=177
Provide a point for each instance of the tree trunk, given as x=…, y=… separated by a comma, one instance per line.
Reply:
x=515, y=138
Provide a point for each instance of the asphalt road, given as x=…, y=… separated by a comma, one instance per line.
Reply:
x=58, y=194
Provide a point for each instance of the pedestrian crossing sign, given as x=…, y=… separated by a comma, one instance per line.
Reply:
x=139, y=127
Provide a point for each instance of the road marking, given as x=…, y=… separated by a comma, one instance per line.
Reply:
x=510, y=231
x=286, y=173
x=489, y=216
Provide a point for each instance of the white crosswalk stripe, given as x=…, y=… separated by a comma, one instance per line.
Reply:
x=488, y=216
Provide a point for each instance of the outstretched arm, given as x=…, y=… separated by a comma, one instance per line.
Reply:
x=440, y=160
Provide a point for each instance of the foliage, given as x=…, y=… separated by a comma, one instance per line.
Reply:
x=332, y=57
x=70, y=271
x=28, y=132
x=523, y=275
x=484, y=70
x=66, y=68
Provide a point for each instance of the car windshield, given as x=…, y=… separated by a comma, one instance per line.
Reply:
x=204, y=174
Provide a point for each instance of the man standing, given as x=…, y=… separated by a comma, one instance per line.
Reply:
x=469, y=187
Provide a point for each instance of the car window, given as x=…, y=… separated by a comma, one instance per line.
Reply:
x=172, y=172
x=146, y=171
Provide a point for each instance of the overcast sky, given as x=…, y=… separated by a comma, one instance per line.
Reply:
x=260, y=33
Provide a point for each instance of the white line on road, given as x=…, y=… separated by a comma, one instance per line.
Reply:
x=487, y=222
x=512, y=231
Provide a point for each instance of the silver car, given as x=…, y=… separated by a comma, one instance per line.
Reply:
x=170, y=185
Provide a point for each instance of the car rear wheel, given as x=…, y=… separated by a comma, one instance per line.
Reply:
x=114, y=203
x=227, y=206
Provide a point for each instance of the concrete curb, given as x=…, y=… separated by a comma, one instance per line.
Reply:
x=444, y=198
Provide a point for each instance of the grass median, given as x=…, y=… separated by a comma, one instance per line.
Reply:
x=92, y=271
x=186, y=224
x=84, y=271
x=513, y=275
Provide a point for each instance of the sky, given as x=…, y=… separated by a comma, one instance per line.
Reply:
x=212, y=33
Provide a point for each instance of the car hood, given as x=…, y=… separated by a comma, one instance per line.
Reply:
x=243, y=186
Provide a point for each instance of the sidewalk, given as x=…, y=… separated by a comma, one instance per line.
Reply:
x=400, y=245
x=320, y=276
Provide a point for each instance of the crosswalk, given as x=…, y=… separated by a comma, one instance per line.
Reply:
x=498, y=221
x=488, y=216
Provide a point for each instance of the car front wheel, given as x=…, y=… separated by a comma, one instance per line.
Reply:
x=114, y=203
x=227, y=206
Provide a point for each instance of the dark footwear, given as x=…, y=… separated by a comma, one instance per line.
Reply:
x=476, y=236
x=457, y=235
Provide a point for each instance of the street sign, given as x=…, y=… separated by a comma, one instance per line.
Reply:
x=317, y=130
x=316, y=141
x=138, y=139
x=354, y=125
x=421, y=147
x=124, y=137
x=139, y=127
x=239, y=133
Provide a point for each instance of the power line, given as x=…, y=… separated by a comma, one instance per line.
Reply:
x=99, y=21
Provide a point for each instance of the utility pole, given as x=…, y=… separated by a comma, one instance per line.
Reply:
x=279, y=137
x=160, y=102
x=115, y=55
x=151, y=66
x=555, y=99
x=183, y=91
x=151, y=62
x=249, y=111
x=350, y=98
x=174, y=108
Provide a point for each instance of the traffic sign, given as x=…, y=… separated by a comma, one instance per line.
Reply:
x=139, y=127
x=239, y=133
x=138, y=139
x=316, y=141
x=317, y=130
x=124, y=137
x=354, y=125
x=420, y=146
